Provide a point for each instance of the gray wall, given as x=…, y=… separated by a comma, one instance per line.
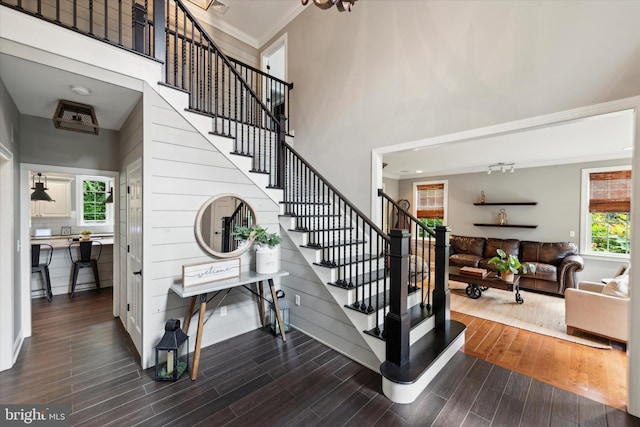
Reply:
x=397, y=71
x=556, y=189
x=43, y=144
x=10, y=128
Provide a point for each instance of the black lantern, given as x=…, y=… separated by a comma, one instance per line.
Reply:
x=285, y=314
x=172, y=352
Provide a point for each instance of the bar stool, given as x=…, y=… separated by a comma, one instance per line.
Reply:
x=85, y=260
x=42, y=268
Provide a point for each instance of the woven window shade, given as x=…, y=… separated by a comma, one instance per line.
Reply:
x=610, y=191
x=430, y=201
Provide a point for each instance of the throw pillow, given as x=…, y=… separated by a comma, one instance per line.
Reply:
x=618, y=287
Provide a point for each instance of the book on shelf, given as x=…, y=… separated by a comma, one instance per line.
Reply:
x=473, y=271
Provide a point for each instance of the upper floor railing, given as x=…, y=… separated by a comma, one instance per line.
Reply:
x=192, y=60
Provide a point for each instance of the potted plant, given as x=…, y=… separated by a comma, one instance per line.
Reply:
x=509, y=265
x=242, y=234
x=267, y=253
x=86, y=234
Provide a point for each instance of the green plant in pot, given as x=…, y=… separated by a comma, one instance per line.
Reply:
x=509, y=265
x=263, y=238
x=242, y=233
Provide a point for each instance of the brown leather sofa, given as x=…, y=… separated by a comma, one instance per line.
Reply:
x=556, y=263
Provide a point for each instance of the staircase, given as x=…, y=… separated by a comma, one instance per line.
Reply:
x=397, y=304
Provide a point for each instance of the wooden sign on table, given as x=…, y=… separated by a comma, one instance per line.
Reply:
x=196, y=274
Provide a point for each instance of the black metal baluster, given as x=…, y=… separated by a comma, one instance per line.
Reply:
x=106, y=20
x=75, y=15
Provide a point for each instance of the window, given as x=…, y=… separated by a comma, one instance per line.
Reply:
x=92, y=191
x=607, y=210
x=430, y=202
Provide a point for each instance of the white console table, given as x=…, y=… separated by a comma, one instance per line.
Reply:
x=198, y=293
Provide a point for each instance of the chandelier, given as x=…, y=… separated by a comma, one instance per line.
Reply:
x=342, y=5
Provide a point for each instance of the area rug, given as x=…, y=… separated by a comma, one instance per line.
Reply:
x=543, y=314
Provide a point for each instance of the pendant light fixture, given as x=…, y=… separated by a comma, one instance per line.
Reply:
x=40, y=188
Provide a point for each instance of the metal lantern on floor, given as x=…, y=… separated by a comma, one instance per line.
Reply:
x=172, y=357
x=285, y=313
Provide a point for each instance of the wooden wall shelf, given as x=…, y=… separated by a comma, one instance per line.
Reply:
x=507, y=204
x=506, y=225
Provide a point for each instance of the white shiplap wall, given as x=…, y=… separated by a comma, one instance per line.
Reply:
x=181, y=171
x=318, y=314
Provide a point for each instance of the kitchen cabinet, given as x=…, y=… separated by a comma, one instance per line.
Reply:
x=60, y=192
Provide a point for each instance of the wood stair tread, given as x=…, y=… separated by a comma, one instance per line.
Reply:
x=423, y=353
x=335, y=244
x=361, y=279
x=376, y=302
x=417, y=315
x=346, y=261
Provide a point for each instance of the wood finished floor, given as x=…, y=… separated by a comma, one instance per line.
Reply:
x=80, y=356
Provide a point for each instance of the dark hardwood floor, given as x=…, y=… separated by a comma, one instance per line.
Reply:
x=80, y=356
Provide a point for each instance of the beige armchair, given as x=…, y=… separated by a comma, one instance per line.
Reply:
x=588, y=309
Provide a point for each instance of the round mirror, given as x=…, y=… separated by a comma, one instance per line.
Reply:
x=217, y=219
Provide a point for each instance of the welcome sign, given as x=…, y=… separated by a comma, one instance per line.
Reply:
x=197, y=274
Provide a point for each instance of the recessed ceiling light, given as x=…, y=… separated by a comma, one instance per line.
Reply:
x=419, y=171
x=81, y=90
x=628, y=148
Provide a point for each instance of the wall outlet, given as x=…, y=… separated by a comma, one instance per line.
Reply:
x=572, y=233
x=297, y=299
x=223, y=311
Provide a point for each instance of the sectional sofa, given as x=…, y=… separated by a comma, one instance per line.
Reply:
x=556, y=263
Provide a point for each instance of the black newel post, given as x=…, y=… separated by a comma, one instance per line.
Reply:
x=280, y=157
x=397, y=322
x=441, y=291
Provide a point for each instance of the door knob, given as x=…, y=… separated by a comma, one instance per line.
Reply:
x=139, y=273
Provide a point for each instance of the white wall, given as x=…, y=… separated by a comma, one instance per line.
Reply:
x=401, y=71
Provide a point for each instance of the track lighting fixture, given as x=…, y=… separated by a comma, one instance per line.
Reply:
x=502, y=167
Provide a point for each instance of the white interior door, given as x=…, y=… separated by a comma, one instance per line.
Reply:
x=10, y=295
x=134, y=254
x=223, y=207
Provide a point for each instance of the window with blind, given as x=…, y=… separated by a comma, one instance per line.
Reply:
x=608, y=210
x=430, y=202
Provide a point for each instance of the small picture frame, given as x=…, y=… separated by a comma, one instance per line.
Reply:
x=197, y=274
x=65, y=231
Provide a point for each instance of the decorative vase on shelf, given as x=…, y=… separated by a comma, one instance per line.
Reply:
x=502, y=217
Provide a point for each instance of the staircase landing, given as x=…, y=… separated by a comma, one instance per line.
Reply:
x=428, y=356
